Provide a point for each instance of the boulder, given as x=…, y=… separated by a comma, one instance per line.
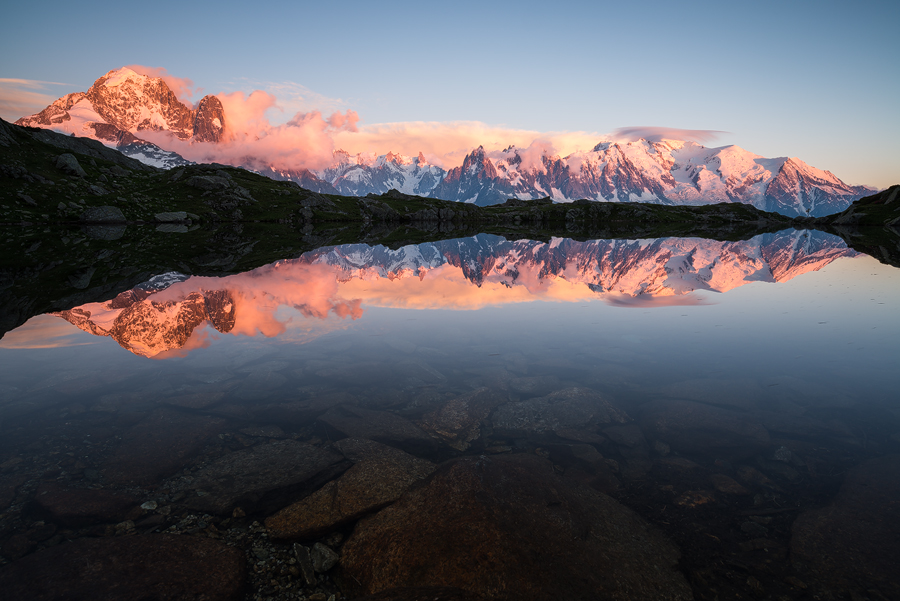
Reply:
x=104, y=214
x=160, y=567
x=105, y=232
x=380, y=475
x=509, y=528
x=171, y=216
x=68, y=164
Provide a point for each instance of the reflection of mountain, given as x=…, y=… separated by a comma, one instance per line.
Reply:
x=162, y=314
x=148, y=327
x=657, y=267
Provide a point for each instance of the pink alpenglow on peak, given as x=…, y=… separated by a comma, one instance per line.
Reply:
x=136, y=110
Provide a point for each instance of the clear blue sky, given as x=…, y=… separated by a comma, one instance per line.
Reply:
x=817, y=80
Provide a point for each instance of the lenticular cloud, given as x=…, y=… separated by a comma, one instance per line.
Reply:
x=655, y=134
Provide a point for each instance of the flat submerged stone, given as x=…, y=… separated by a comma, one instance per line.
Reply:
x=159, y=567
x=508, y=528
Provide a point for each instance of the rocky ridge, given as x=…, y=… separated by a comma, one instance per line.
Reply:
x=668, y=172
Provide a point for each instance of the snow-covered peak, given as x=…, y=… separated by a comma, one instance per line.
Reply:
x=117, y=77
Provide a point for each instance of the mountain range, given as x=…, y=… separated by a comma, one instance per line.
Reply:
x=147, y=323
x=122, y=104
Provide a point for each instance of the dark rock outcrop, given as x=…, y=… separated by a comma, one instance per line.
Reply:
x=209, y=120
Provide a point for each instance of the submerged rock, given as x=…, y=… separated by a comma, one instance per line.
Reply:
x=381, y=426
x=458, y=421
x=853, y=545
x=563, y=411
x=261, y=477
x=380, y=475
x=76, y=507
x=508, y=527
x=694, y=427
x=423, y=593
x=530, y=386
x=159, y=567
x=158, y=446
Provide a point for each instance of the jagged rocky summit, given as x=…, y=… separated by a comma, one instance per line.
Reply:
x=122, y=104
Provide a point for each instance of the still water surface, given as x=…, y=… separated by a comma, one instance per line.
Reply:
x=736, y=395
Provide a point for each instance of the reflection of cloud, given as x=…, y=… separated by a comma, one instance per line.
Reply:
x=41, y=332
x=643, y=301
x=446, y=287
x=303, y=298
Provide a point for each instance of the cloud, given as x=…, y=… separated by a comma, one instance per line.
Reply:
x=447, y=143
x=22, y=97
x=304, y=142
x=655, y=134
x=182, y=87
x=292, y=98
x=532, y=156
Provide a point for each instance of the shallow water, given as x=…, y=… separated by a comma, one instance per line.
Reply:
x=724, y=391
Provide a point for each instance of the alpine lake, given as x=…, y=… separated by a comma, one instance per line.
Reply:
x=461, y=417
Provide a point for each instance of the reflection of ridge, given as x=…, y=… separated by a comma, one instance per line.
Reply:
x=162, y=314
x=149, y=327
x=661, y=266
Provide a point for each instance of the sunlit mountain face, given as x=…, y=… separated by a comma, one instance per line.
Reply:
x=142, y=117
x=338, y=283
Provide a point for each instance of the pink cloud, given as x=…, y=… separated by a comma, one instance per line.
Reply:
x=346, y=122
x=446, y=144
x=655, y=134
x=532, y=155
x=182, y=87
x=304, y=142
